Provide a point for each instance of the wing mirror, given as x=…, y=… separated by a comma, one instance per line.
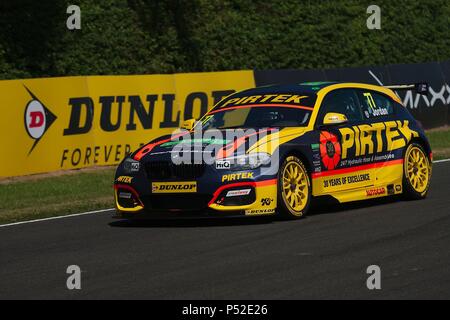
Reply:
x=188, y=124
x=333, y=118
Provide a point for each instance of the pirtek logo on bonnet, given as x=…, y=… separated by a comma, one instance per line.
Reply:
x=37, y=119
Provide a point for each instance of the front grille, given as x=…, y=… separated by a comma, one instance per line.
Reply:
x=164, y=170
x=195, y=202
x=158, y=170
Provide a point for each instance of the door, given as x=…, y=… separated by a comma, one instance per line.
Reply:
x=344, y=148
x=389, y=135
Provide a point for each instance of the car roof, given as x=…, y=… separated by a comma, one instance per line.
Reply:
x=311, y=89
x=305, y=88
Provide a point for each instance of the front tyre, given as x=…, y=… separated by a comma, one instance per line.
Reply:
x=416, y=172
x=294, y=188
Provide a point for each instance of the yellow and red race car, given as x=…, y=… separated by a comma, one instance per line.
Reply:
x=270, y=150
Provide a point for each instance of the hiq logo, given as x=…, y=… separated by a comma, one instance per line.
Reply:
x=37, y=119
x=222, y=165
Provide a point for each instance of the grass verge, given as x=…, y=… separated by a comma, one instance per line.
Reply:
x=28, y=198
x=42, y=197
x=440, y=142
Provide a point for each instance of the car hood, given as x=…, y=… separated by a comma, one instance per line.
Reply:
x=223, y=144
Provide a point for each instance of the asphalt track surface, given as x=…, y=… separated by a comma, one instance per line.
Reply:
x=322, y=256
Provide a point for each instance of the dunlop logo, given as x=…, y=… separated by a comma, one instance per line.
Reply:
x=174, y=187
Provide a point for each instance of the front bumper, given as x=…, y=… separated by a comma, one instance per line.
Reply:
x=218, y=193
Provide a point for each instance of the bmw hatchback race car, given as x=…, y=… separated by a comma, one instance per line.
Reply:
x=347, y=141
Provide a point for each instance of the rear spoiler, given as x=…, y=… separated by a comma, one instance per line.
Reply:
x=420, y=88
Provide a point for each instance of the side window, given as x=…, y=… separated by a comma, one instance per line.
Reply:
x=344, y=101
x=375, y=105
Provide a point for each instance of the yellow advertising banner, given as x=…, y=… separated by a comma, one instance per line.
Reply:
x=74, y=122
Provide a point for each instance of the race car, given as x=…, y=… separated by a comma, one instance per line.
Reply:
x=271, y=150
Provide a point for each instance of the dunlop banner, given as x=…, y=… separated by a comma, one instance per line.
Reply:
x=74, y=122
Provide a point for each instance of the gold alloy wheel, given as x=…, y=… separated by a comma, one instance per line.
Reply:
x=295, y=187
x=417, y=169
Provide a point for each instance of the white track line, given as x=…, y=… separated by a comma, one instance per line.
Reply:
x=443, y=160
x=54, y=218
x=103, y=210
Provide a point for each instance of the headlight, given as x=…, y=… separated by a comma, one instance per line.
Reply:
x=130, y=166
x=244, y=162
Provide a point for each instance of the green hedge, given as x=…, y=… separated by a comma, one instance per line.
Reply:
x=155, y=36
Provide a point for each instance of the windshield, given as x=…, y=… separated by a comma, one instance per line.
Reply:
x=257, y=117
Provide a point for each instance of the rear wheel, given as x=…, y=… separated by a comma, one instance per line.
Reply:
x=294, y=188
x=416, y=172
